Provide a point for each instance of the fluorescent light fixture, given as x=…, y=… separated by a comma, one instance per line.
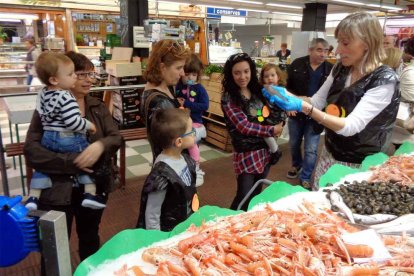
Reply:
x=9, y=20
x=284, y=6
x=172, y=2
x=221, y=7
x=247, y=2
x=19, y=16
x=349, y=2
x=385, y=7
x=254, y=10
x=287, y=13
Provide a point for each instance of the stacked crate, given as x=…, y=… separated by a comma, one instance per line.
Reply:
x=217, y=133
x=126, y=103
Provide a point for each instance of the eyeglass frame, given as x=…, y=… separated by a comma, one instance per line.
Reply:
x=192, y=132
x=91, y=75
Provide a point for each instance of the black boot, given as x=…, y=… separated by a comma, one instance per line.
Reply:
x=275, y=157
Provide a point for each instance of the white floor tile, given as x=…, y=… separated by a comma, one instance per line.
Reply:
x=148, y=156
x=130, y=152
x=137, y=143
x=138, y=170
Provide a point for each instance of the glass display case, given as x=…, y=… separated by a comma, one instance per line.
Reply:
x=12, y=56
x=12, y=64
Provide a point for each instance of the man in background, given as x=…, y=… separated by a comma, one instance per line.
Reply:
x=389, y=41
x=255, y=50
x=305, y=76
x=32, y=55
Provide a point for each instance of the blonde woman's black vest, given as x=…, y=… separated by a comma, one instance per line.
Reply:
x=376, y=136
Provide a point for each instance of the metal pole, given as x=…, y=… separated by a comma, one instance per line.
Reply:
x=55, y=244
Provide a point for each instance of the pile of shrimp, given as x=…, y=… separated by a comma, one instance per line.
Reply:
x=272, y=242
x=397, y=169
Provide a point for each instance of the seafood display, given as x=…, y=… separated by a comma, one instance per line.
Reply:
x=397, y=169
x=375, y=198
x=272, y=242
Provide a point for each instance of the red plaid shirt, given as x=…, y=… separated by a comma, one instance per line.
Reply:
x=255, y=161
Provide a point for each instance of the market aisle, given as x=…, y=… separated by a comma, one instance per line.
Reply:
x=122, y=211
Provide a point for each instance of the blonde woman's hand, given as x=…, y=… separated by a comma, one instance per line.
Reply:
x=87, y=158
x=277, y=130
x=291, y=113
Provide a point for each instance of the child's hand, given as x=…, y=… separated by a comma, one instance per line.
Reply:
x=92, y=129
x=181, y=101
x=277, y=130
x=291, y=113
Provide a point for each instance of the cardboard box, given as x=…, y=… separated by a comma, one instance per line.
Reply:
x=127, y=116
x=126, y=101
x=120, y=65
x=121, y=81
x=119, y=68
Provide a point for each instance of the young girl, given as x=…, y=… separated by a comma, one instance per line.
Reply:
x=241, y=97
x=193, y=96
x=272, y=75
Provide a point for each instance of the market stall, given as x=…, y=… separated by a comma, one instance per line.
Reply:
x=293, y=206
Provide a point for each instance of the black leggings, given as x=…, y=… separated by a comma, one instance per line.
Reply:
x=245, y=182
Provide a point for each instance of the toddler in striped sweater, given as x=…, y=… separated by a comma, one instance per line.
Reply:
x=64, y=128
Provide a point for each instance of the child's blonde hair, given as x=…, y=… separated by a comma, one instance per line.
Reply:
x=280, y=74
x=47, y=65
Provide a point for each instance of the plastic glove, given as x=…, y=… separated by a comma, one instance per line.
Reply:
x=277, y=95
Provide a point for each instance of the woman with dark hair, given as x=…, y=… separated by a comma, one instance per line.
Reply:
x=242, y=103
x=164, y=70
x=66, y=194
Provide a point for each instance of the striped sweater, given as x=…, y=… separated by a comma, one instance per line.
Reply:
x=59, y=111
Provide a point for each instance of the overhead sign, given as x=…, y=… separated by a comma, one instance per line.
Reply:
x=218, y=12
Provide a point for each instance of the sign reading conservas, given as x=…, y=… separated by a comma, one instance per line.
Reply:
x=218, y=12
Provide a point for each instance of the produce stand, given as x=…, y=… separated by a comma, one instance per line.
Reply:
x=131, y=240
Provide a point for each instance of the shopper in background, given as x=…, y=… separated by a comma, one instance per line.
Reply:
x=389, y=41
x=283, y=53
x=255, y=51
x=164, y=69
x=331, y=52
x=305, y=76
x=360, y=97
x=65, y=194
x=393, y=58
x=32, y=55
x=404, y=132
x=169, y=195
x=193, y=95
x=241, y=96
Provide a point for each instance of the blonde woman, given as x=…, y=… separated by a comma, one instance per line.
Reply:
x=360, y=98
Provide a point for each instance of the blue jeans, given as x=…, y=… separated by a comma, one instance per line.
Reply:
x=61, y=142
x=299, y=129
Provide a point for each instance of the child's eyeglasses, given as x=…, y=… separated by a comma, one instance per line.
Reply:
x=192, y=132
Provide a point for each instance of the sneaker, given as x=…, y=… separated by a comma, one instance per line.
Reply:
x=275, y=157
x=93, y=201
x=306, y=184
x=294, y=172
x=31, y=203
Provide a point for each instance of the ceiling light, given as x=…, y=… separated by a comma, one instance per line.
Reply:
x=221, y=7
x=287, y=13
x=9, y=20
x=19, y=16
x=172, y=2
x=349, y=2
x=247, y=2
x=254, y=10
x=385, y=7
x=284, y=6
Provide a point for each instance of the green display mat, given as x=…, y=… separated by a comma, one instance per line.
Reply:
x=128, y=241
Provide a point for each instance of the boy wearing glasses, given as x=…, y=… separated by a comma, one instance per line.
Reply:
x=64, y=127
x=169, y=195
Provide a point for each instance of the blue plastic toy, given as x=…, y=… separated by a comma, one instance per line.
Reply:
x=18, y=232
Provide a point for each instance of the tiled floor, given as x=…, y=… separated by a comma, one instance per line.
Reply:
x=138, y=155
